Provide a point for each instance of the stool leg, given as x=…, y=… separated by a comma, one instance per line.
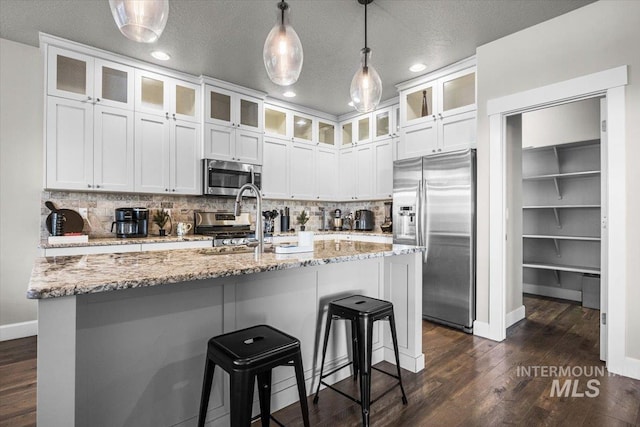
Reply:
x=242, y=384
x=354, y=350
x=324, y=351
x=394, y=337
x=264, y=393
x=302, y=389
x=365, y=338
x=209, y=367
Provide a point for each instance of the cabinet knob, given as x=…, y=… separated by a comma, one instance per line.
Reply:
x=292, y=197
x=166, y=115
x=439, y=149
x=97, y=99
x=89, y=98
x=440, y=115
x=88, y=185
x=173, y=190
x=174, y=116
x=434, y=117
x=97, y=186
x=166, y=189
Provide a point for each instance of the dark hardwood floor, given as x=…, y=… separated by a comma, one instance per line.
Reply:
x=468, y=381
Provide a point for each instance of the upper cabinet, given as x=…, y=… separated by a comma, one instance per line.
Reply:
x=166, y=96
x=278, y=122
x=83, y=78
x=233, y=126
x=357, y=130
x=438, y=112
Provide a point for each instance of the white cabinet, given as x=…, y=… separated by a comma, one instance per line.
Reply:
x=275, y=170
x=326, y=133
x=327, y=184
x=438, y=114
x=233, y=126
x=88, y=148
x=304, y=129
x=347, y=166
x=302, y=171
x=81, y=77
x=278, y=122
x=166, y=155
x=383, y=169
x=357, y=130
x=166, y=96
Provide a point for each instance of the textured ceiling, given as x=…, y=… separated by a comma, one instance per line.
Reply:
x=224, y=38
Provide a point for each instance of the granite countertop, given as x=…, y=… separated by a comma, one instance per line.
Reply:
x=109, y=241
x=83, y=274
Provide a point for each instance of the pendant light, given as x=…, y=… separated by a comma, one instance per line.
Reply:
x=366, y=86
x=282, y=51
x=140, y=20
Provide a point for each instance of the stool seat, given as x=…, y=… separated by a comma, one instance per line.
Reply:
x=251, y=347
x=362, y=311
x=250, y=354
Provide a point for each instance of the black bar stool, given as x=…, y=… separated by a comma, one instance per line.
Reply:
x=247, y=354
x=362, y=311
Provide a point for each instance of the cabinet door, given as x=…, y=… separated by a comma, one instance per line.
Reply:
x=152, y=93
x=457, y=93
x=249, y=113
x=412, y=104
x=347, y=169
x=418, y=140
x=248, y=147
x=69, y=74
x=326, y=176
x=69, y=147
x=301, y=169
x=326, y=133
x=219, y=106
x=365, y=178
x=152, y=150
x=113, y=149
x=275, y=169
x=383, y=169
x=382, y=123
x=219, y=142
x=114, y=84
x=458, y=131
x=277, y=122
x=363, y=129
x=303, y=129
x=185, y=101
x=346, y=134
x=185, y=171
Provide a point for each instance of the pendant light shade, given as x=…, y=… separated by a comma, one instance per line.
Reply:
x=140, y=20
x=366, y=86
x=282, y=51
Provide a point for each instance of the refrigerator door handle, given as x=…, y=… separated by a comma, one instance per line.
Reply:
x=418, y=215
x=423, y=219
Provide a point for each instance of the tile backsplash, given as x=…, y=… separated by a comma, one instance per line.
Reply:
x=101, y=207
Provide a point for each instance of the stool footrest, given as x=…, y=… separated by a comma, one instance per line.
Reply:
x=336, y=370
x=257, y=417
x=341, y=392
x=385, y=372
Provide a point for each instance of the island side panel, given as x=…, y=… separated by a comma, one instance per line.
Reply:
x=56, y=362
x=141, y=354
x=403, y=287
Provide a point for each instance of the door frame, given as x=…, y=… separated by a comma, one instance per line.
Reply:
x=609, y=83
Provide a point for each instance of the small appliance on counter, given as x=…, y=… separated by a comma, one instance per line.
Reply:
x=386, y=226
x=337, y=220
x=131, y=222
x=363, y=220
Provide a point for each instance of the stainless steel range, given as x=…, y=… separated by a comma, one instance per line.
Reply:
x=225, y=228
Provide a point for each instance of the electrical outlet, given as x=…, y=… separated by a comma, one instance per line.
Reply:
x=83, y=212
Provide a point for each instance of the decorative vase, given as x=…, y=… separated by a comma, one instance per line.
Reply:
x=302, y=227
x=163, y=232
x=425, y=107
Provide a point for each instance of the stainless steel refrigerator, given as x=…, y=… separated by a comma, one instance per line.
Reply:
x=434, y=205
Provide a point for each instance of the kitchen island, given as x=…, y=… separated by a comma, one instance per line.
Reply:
x=122, y=337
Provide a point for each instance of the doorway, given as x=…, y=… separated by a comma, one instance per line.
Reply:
x=609, y=84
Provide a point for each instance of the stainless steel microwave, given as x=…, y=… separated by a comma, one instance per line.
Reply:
x=225, y=178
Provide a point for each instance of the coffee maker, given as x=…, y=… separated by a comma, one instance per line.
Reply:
x=131, y=222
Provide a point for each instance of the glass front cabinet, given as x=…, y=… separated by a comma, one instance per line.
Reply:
x=438, y=114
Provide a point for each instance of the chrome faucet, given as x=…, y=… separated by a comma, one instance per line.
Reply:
x=259, y=224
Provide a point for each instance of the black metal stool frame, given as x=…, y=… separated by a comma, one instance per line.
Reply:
x=242, y=381
x=362, y=344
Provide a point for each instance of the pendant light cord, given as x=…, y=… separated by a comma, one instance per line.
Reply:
x=366, y=48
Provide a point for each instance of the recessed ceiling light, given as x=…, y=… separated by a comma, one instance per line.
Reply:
x=417, y=67
x=350, y=104
x=289, y=94
x=160, y=55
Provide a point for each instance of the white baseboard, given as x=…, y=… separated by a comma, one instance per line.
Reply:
x=18, y=330
x=631, y=368
x=550, y=291
x=515, y=316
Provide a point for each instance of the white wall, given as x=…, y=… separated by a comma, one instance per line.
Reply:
x=21, y=106
x=596, y=37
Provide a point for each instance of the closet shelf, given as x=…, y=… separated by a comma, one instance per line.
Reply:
x=548, y=236
x=562, y=175
x=560, y=267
